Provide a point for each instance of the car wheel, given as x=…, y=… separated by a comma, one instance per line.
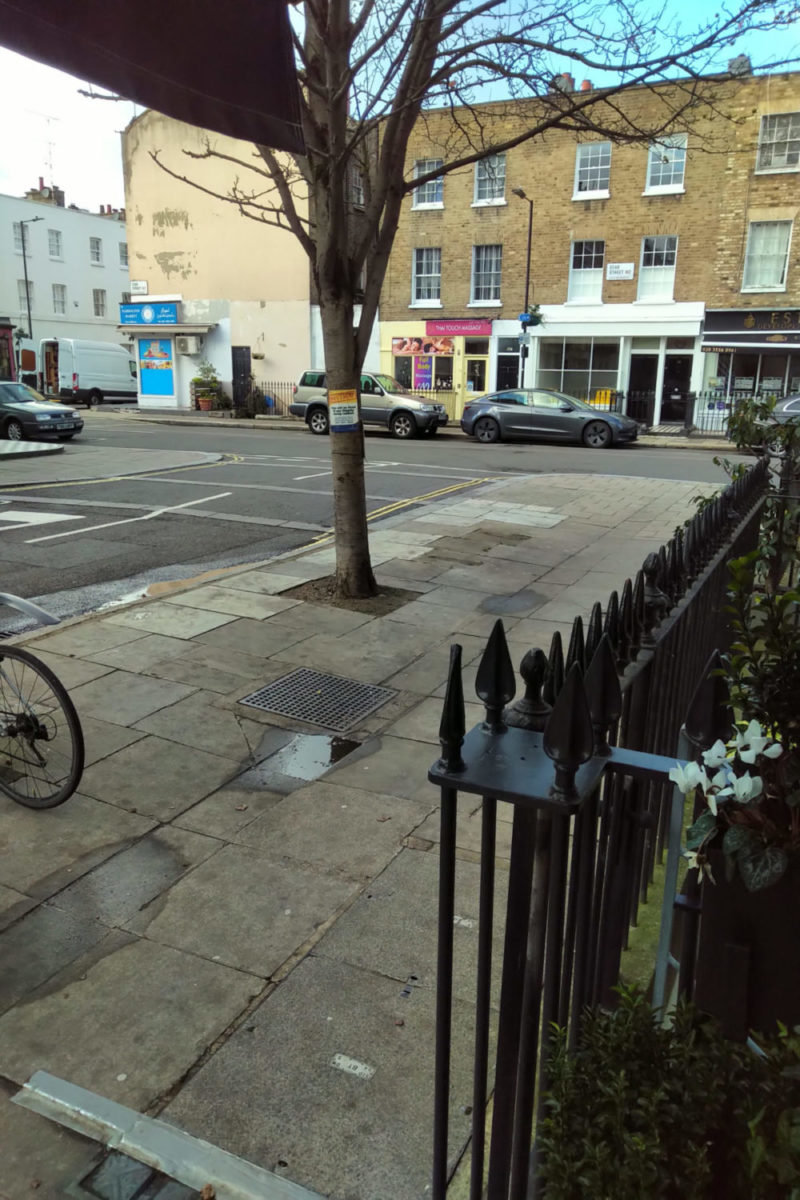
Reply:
x=318, y=421
x=95, y=397
x=14, y=431
x=403, y=425
x=486, y=430
x=597, y=435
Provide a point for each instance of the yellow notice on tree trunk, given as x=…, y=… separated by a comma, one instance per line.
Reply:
x=343, y=411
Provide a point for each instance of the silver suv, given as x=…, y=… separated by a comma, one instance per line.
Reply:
x=384, y=402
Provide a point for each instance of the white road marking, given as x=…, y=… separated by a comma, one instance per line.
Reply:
x=318, y=475
x=18, y=519
x=156, y=512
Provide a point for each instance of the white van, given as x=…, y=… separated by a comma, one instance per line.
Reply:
x=72, y=369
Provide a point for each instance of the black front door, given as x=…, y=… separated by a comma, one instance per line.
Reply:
x=240, y=356
x=642, y=387
x=677, y=377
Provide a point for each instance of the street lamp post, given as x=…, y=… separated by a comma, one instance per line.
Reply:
x=22, y=224
x=523, y=349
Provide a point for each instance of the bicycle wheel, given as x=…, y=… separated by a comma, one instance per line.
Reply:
x=41, y=742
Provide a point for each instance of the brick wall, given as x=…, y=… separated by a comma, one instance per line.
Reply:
x=722, y=192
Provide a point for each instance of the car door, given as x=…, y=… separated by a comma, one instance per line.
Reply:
x=550, y=417
x=511, y=411
x=375, y=405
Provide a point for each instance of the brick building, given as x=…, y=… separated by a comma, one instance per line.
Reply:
x=662, y=270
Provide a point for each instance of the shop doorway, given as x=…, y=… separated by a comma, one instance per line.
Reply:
x=675, y=392
x=642, y=388
x=476, y=374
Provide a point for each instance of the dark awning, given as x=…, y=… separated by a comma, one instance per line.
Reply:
x=225, y=67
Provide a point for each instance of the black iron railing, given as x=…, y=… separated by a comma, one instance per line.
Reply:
x=582, y=758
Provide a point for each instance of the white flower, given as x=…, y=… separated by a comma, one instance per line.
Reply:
x=689, y=777
x=717, y=755
x=752, y=742
x=743, y=788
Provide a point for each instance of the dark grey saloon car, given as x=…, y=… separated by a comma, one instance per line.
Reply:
x=543, y=415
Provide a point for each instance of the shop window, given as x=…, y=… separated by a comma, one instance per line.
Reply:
x=577, y=355
x=54, y=245
x=666, y=165
x=767, y=256
x=443, y=373
x=551, y=354
x=430, y=194
x=779, y=143
x=680, y=343
x=426, y=276
x=476, y=375
x=586, y=272
x=579, y=367
x=402, y=370
x=490, y=180
x=476, y=345
x=657, y=268
x=59, y=298
x=487, y=263
x=592, y=171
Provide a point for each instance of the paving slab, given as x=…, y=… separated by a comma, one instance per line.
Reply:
x=392, y=927
x=85, y=639
x=122, y=886
x=391, y=766
x=311, y=618
x=226, y=812
x=422, y=723
x=171, y=620
x=101, y=738
x=238, y=603
x=40, y=945
x=139, y=655
x=129, y=1025
x=200, y=722
x=339, y=1133
x=124, y=698
x=157, y=777
x=266, y=581
x=42, y=851
x=240, y=909
x=13, y=905
x=71, y=671
x=346, y=657
x=261, y=639
x=334, y=829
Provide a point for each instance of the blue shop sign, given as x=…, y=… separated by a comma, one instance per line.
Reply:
x=148, y=314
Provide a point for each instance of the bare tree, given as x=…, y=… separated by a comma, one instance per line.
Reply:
x=370, y=71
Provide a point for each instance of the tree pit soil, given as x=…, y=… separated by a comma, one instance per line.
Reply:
x=323, y=591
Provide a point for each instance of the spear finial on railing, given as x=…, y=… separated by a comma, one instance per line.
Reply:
x=654, y=601
x=709, y=717
x=625, y=650
x=495, y=682
x=568, y=736
x=611, y=624
x=530, y=711
x=594, y=631
x=603, y=693
x=453, y=723
x=577, y=647
x=554, y=679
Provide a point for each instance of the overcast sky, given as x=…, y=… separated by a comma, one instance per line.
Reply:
x=78, y=148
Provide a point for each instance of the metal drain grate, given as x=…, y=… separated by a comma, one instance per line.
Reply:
x=327, y=700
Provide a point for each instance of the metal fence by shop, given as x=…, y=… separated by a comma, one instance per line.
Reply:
x=582, y=761
x=267, y=398
x=702, y=412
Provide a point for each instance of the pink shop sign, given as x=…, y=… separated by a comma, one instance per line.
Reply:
x=466, y=328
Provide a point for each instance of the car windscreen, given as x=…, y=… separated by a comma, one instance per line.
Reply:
x=391, y=385
x=20, y=393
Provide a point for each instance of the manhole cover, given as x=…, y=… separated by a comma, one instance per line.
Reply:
x=327, y=700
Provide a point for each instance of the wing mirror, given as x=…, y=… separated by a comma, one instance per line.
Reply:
x=566, y=408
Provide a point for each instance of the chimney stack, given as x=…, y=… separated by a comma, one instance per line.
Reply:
x=41, y=182
x=586, y=86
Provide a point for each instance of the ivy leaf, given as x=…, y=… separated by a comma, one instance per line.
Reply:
x=761, y=869
x=705, y=825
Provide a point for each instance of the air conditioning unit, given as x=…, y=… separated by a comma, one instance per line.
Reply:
x=188, y=345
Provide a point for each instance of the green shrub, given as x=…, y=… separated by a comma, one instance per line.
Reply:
x=642, y=1111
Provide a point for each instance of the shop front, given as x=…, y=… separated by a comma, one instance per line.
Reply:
x=752, y=352
x=167, y=350
x=453, y=358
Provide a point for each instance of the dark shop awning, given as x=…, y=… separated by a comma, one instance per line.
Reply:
x=225, y=67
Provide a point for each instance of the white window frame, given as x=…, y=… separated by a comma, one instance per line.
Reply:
x=99, y=292
x=22, y=233
x=420, y=277
x=493, y=302
x=750, y=254
x=661, y=151
x=649, y=272
x=61, y=297
x=586, y=150
x=356, y=182
x=98, y=261
x=23, y=307
x=490, y=176
x=421, y=167
x=123, y=255
x=54, y=237
x=579, y=274
x=765, y=142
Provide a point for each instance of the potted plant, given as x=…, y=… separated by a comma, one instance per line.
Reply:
x=206, y=386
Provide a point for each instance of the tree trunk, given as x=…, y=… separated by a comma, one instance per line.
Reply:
x=354, y=577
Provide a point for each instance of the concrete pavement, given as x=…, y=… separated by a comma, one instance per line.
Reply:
x=234, y=928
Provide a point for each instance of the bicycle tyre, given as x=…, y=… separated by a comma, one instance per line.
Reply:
x=61, y=705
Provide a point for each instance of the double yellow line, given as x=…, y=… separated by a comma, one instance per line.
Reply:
x=387, y=509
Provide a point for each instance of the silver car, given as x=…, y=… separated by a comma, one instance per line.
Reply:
x=540, y=414
x=384, y=402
